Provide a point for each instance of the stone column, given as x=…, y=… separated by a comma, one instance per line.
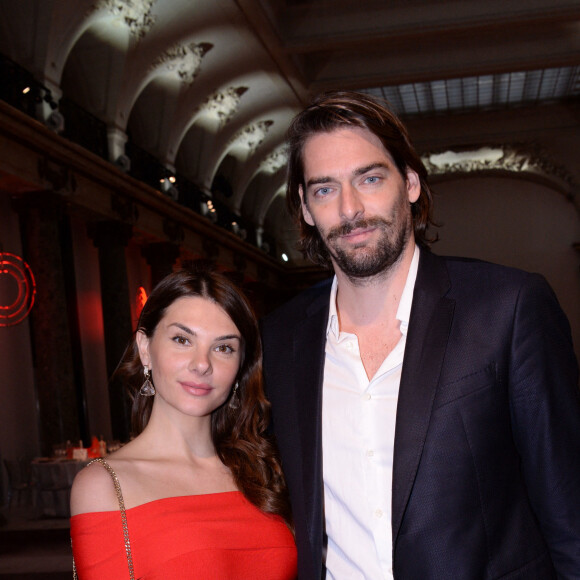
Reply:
x=111, y=238
x=161, y=257
x=42, y=218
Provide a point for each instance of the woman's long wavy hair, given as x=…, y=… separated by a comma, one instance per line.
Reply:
x=346, y=109
x=239, y=435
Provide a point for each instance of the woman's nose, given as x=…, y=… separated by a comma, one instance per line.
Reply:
x=200, y=361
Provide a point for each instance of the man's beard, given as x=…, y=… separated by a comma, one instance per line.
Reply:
x=367, y=261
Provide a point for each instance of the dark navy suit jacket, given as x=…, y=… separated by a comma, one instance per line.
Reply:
x=486, y=474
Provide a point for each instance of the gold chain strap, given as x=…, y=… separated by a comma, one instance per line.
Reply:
x=123, y=517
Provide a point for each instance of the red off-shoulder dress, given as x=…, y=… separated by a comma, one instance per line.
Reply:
x=219, y=536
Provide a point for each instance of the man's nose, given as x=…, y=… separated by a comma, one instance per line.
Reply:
x=351, y=205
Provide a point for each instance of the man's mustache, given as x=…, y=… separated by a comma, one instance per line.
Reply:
x=347, y=227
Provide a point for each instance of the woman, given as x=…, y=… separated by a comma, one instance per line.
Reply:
x=199, y=492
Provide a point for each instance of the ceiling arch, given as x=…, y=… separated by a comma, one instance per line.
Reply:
x=271, y=160
x=261, y=92
x=245, y=136
x=101, y=65
x=260, y=203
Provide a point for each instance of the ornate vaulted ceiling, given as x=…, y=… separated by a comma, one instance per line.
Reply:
x=208, y=87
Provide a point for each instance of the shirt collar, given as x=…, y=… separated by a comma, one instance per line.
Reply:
x=404, y=310
x=332, y=313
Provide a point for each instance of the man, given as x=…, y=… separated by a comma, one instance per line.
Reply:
x=426, y=408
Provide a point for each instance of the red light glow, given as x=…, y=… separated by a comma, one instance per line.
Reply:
x=140, y=300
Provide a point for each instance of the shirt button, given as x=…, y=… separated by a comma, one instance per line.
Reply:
x=367, y=396
x=370, y=453
x=379, y=513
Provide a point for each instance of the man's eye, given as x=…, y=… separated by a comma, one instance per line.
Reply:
x=322, y=191
x=372, y=179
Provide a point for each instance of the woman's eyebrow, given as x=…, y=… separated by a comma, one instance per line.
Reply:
x=183, y=327
x=229, y=337
x=193, y=333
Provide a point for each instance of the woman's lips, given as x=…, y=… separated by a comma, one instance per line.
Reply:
x=196, y=389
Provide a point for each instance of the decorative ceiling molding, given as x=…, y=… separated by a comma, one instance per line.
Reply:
x=136, y=14
x=223, y=105
x=277, y=159
x=251, y=137
x=510, y=158
x=183, y=60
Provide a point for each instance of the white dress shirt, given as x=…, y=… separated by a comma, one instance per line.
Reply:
x=358, y=432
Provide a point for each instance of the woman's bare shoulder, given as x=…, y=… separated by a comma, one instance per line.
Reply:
x=93, y=491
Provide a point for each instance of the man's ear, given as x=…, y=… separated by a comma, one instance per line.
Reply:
x=413, y=186
x=305, y=212
x=143, y=345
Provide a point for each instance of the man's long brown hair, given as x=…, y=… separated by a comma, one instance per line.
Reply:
x=239, y=435
x=344, y=109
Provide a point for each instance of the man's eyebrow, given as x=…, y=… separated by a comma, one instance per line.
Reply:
x=357, y=172
x=367, y=168
x=318, y=181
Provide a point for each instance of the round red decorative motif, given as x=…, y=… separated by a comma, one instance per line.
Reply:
x=16, y=272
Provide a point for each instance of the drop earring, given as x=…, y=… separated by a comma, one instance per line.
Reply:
x=147, y=388
x=234, y=399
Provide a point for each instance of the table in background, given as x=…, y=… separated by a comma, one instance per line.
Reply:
x=52, y=480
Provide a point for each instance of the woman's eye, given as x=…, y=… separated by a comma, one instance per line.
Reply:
x=180, y=340
x=225, y=348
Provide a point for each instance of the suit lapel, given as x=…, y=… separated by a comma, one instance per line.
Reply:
x=309, y=348
x=430, y=323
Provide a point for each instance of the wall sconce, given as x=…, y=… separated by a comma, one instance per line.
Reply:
x=209, y=211
x=123, y=162
x=168, y=187
x=239, y=231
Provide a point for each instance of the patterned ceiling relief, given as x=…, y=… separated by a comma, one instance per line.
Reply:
x=275, y=161
x=184, y=60
x=508, y=158
x=223, y=105
x=252, y=136
x=136, y=14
